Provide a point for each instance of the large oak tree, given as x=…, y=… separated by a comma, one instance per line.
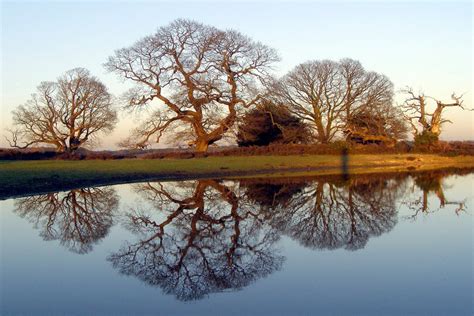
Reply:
x=199, y=75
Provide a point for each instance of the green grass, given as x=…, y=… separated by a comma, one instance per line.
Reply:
x=23, y=177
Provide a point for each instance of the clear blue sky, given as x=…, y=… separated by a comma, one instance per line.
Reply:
x=427, y=45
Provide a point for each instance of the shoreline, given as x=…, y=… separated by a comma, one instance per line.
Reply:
x=23, y=178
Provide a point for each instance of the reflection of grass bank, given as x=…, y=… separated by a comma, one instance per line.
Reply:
x=26, y=177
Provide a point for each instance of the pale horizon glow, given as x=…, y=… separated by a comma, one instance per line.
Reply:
x=425, y=45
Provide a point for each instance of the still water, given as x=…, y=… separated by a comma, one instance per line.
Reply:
x=380, y=244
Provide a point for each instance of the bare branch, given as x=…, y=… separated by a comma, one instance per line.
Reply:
x=194, y=69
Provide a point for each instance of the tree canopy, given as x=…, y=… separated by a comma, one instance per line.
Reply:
x=328, y=93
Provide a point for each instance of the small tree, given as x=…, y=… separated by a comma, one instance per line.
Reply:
x=271, y=123
x=426, y=126
x=66, y=113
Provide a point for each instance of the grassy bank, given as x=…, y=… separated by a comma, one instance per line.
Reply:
x=27, y=177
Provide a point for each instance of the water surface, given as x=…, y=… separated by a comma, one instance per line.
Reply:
x=381, y=244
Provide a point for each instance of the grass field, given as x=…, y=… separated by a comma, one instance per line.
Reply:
x=28, y=177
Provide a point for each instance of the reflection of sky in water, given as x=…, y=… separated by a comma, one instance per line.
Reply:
x=422, y=265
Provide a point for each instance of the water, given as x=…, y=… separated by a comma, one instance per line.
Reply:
x=371, y=245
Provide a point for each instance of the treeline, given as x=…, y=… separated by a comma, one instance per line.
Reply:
x=208, y=86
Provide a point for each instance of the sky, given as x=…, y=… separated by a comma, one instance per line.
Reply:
x=426, y=45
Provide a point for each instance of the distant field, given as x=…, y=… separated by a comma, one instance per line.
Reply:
x=28, y=177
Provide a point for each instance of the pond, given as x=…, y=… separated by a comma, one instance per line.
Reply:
x=378, y=244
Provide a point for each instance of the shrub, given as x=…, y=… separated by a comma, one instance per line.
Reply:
x=271, y=123
x=426, y=139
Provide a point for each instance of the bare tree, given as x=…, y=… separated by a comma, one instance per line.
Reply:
x=417, y=113
x=328, y=93
x=201, y=76
x=66, y=113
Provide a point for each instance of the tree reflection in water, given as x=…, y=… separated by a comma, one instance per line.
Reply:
x=78, y=218
x=200, y=237
x=331, y=213
x=203, y=242
x=429, y=183
x=206, y=236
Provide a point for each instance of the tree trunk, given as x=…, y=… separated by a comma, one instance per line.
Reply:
x=61, y=149
x=74, y=144
x=202, y=145
x=323, y=139
x=435, y=129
